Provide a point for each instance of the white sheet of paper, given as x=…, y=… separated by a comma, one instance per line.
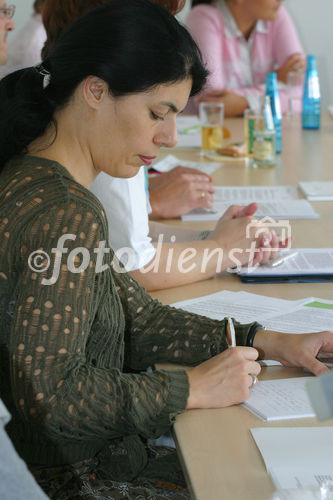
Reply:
x=244, y=307
x=290, y=316
x=314, y=315
x=280, y=399
x=296, y=456
x=189, y=131
x=287, y=209
x=171, y=161
x=317, y=191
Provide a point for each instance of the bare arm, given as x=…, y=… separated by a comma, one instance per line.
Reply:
x=181, y=233
x=229, y=245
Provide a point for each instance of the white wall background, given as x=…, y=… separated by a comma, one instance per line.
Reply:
x=314, y=22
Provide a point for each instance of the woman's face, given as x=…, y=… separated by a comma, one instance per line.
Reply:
x=6, y=25
x=132, y=129
x=262, y=9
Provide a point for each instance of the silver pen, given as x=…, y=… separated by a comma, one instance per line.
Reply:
x=280, y=260
x=232, y=333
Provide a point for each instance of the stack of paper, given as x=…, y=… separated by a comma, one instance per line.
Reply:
x=296, y=457
x=278, y=202
x=317, y=191
x=297, y=316
x=287, y=316
x=307, y=265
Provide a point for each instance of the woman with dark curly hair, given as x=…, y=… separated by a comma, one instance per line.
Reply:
x=77, y=333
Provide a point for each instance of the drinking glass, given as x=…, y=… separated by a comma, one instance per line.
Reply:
x=211, y=116
x=294, y=89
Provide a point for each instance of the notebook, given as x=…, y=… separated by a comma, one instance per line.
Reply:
x=280, y=399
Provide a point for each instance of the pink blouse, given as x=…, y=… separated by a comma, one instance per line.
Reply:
x=238, y=64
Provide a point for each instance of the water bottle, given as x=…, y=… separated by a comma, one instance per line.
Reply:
x=273, y=93
x=311, y=96
x=264, y=137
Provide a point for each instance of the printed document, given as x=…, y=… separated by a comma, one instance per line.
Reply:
x=278, y=202
x=289, y=316
x=296, y=457
x=247, y=194
x=307, y=261
x=243, y=306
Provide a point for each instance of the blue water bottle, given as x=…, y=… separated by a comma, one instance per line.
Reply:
x=273, y=93
x=311, y=96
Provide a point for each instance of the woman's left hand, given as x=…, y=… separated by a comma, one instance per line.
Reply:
x=296, y=349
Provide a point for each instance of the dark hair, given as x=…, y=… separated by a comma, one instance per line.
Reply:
x=38, y=6
x=58, y=14
x=197, y=2
x=133, y=45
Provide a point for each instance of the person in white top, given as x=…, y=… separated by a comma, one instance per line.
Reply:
x=125, y=203
x=24, y=49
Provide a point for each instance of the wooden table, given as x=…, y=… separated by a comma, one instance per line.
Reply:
x=219, y=456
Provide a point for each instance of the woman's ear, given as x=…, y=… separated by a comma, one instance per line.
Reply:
x=94, y=91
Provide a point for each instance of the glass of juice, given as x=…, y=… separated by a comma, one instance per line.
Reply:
x=211, y=118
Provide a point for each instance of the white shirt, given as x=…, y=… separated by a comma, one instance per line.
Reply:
x=126, y=207
x=24, y=49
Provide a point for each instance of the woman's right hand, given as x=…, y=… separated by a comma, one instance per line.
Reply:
x=245, y=240
x=236, y=233
x=223, y=380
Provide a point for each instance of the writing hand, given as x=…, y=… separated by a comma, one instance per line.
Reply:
x=223, y=380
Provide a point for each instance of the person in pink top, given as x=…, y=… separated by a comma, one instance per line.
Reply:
x=241, y=41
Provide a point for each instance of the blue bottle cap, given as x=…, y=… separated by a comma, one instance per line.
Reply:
x=311, y=62
x=270, y=77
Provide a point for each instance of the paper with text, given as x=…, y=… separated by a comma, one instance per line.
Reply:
x=307, y=261
x=288, y=316
x=296, y=457
x=247, y=194
x=287, y=209
x=280, y=399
